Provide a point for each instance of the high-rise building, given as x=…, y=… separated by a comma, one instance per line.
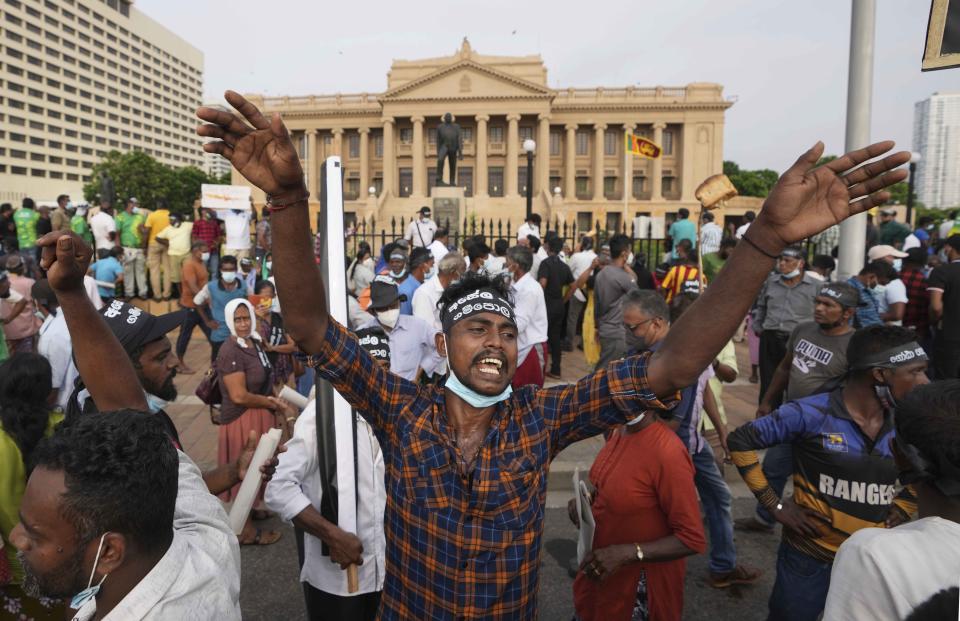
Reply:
x=213, y=163
x=83, y=77
x=936, y=136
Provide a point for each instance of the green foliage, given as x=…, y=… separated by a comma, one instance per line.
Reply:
x=137, y=174
x=750, y=182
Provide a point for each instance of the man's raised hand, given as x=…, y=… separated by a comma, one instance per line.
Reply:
x=65, y=257
x=809, y=199
x=263, y=153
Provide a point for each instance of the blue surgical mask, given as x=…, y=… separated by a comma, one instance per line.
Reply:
x=430, y=274
x=90, y=592
x=155, y=403
x=471, y=396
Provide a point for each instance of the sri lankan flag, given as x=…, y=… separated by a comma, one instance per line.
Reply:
x=642, y=147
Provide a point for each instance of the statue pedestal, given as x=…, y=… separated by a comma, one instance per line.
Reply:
x=448, y=205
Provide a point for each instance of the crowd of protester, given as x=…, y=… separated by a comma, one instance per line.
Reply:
x=453, y=360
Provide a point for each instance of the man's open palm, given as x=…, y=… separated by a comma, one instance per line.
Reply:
x=264, y=153
x=809, y=199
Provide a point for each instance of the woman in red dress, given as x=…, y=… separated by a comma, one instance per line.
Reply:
x=645, y=505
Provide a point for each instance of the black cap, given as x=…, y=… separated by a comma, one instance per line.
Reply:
x=425, y=210
x=384, y=293
x=135, y=327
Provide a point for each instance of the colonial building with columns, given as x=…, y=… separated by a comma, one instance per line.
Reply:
x=387, y=142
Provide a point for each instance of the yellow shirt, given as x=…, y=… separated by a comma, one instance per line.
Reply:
x=156, y=222
x=727, y=356
x=13, y=482
x=179, y=238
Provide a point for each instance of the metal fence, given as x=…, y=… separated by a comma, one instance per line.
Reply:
x=653, y=249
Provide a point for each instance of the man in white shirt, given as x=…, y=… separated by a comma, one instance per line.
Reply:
x=412, y=340
x=531, y=315
x=530, y=227
x=438, y=247
x=237, y=225
x=579, y=263
x=160, y=544
x=427, y=295
x=295, y=493
x=421, y=229
x=884, y=574
x=54, y=343
x=710, y=234
x=748, y=218
x=104, y=230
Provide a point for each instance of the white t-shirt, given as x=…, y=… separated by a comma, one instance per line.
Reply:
x=893, y=293
x=912, y=241
x=420, y=234
x=742, y=229
x=237, y=225
x=945, y=229
x=882, y=574
x=438, y=250
x=101, y=225
x=527, y=229
x=579, y=263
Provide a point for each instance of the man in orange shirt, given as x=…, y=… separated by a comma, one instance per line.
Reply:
x=157, y=258
x=193, y=277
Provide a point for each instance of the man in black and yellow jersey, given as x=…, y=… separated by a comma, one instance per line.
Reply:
x=844, y=475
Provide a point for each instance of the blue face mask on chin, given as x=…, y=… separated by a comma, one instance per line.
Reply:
x=469, y=395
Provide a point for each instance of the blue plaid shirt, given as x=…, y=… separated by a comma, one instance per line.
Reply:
x=868, y=314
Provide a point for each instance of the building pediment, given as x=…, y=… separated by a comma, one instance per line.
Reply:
x=466, y=79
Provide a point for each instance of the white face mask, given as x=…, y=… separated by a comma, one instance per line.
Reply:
x=268, y=265
x=205, y=257
x=790, y=275
x=398, y=275
x=630, y=258
x=389, y=317
x=489, y=265
x=898, y=264
x=228, y=277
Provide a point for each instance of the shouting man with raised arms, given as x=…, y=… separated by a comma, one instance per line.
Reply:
x=466, y=462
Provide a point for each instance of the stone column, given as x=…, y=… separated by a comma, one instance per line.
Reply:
x=313, y=166
x=389, y=159
x=513, y=147
x=338, y=141
x=364, y=161
x=599, y=130
x=543, y=155
x=570, y=163
x=656, y=187
x=628, y=128
x=419, y=170
x=480, y=174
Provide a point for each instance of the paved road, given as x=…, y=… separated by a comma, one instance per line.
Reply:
x=271, y=588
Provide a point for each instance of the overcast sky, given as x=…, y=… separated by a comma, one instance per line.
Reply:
x=784, y=61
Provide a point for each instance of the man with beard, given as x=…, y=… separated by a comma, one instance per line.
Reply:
x=816, y=359
x=112, y=514
x=467, y=462
x=144, y=339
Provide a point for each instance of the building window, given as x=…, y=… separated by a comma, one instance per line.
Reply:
x=555, y=139
x=639, y=186
x=610, y=187
x=432, y=135
x=614, y=221
x=522, y=180
x=584, y=221
x=610, y=141
x=352, y=191
x=378, y=184
x=354, y=146
x=378, y=146
x=465, y=179
x=467, y=134
x=667, y=187
x=432, y=179
x=555, y=182
x=495, y=180
x=495, y=133
x=583, y=188
x=667, y=142
x=406, y=135
x=406, y=181
x=526, y=131
x=583, y=143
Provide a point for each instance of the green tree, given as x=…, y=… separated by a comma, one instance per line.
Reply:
x=750, y=182
x=136, y=174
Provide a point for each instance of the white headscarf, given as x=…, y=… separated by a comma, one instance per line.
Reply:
x=231, y=309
